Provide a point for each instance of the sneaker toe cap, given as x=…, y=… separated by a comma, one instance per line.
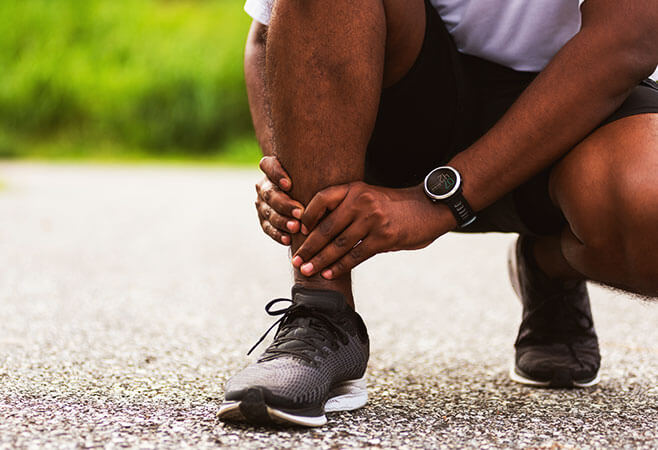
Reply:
x=280, y=378
x=558, y=364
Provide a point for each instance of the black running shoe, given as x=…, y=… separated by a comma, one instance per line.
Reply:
x=557, y=345
x=315, y=364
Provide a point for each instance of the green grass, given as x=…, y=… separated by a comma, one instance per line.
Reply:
x=239, y=152
x=123, y=79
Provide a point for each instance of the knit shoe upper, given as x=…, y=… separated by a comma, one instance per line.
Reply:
x=556, y=345
x=319, y=353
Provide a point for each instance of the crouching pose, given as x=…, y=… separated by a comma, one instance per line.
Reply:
x=388, y=123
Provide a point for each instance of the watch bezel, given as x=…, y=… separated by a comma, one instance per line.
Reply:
x=452, y=192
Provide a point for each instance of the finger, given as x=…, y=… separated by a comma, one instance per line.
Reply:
x=326, y=231
x=284, y=205
x=326, y=200
x=353, y=258
x=276, y=232
x=282, y=223
x=279, y=200
x=272, y=168
x=271, y=231
x=333, y=251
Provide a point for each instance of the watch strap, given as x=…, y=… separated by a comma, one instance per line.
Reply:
x=461, y=210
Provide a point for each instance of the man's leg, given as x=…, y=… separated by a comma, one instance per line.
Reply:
x=607, y=189
x=325, y=67
x=326, y=64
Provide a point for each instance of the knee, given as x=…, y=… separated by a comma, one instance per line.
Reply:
x=321, y=10
x=300, y=15
x=634, y=234
x=582, y=188
x=611, y=205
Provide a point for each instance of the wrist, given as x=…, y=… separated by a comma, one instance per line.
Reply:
x=437, y=217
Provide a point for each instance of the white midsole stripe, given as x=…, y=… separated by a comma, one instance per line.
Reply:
x=515, y=376
x=346, y=396
x=299, y=420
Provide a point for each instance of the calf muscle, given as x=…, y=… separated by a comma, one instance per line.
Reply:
x=324, y=69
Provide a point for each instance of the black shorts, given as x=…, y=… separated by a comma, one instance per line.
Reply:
x=446, y=102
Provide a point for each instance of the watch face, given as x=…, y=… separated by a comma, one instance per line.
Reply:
x=442, y=182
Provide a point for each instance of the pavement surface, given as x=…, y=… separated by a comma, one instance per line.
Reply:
x=128, y=295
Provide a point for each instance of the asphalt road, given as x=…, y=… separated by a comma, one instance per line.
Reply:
x=128, y=295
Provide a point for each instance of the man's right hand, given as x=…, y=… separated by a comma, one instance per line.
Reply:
x=278, y=213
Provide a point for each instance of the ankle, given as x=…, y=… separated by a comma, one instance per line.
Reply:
x=343, y=285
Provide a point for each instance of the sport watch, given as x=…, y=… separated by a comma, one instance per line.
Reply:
x=444, y=184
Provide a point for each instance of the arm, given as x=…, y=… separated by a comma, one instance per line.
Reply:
x=584, y=83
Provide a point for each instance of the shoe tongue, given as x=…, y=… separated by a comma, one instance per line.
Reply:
x=300, y=332
x=323, y=300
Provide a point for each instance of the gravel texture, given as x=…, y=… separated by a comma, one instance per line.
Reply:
x=129, y=295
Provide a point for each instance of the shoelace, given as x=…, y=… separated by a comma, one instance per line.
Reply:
x=570, y=312
x=316, y=320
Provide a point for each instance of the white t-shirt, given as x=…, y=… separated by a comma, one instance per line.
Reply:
x=521, y=34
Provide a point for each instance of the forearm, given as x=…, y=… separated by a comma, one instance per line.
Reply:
x=254, y=74
x=586, y=81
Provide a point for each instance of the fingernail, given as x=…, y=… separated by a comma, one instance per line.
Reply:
x=285, y=240
x=307, y=268
x=291, y=225
x=327, y=274
x=304, y=229
x=297, y=213
x=297, y=261
x=284, y=183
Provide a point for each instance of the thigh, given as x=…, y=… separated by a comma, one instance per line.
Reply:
x=608, y=183
x=405, y=32
x=607, y=189
x=627, y=137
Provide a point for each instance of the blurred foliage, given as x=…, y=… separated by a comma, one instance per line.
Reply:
x=143, y=77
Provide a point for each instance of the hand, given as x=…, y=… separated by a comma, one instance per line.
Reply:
x=363, y=220
x=278, y=214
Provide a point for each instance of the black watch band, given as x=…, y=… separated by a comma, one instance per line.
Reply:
x=444, y=184
x=461, y=210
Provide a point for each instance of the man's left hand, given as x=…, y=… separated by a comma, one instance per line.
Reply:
x=349, y=223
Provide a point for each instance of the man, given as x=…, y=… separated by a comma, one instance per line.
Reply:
x=399, y=120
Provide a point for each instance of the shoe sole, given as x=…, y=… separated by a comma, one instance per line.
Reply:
x=346, y=396
x=522, y=379
x=514, y=371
